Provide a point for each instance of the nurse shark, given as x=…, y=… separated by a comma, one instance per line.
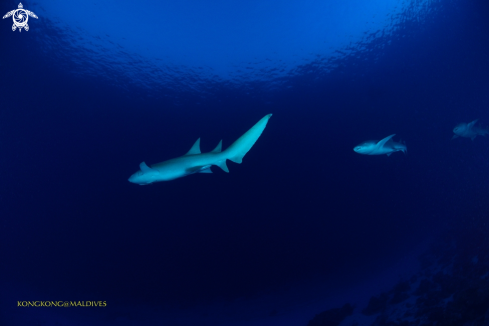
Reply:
x=196, y=162
x=384, y=146
x=469, y=130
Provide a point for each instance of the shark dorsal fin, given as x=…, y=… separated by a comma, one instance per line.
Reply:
x=382, y=142
x=195, y=148
x=218, y=148
x=471, y=124
x=144, y=167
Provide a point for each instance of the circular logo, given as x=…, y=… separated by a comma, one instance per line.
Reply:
x=20, y=18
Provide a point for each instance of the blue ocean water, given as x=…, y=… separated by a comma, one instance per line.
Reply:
x=303, y=225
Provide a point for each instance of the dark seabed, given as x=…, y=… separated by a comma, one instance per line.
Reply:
x=304, y=225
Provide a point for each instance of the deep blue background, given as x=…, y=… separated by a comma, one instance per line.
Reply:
x=303, y=207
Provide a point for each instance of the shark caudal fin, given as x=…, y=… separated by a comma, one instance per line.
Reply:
x=240, y=147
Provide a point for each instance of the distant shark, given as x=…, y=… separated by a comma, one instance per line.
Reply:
x=469, y=130
x=384, y=146
x=196, y=162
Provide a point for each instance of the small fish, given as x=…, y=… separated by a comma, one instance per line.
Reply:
x=384, y=146
x=469, y=130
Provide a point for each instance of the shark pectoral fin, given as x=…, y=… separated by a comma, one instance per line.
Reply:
x=473, y=137
x=144, y=167
x=218, y=148
x=382, y=142
x=195, y=148
x=454, y=136
x=222, y=165
x=389, y=154
x=199, y=169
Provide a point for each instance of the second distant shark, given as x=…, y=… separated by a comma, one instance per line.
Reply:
x=469, y=130
x=385, y=146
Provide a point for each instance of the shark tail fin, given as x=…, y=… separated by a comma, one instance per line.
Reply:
x=240, y=147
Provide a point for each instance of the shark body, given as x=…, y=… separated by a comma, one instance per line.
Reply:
x=196, y=162
x=385, y=146
x=469, y=130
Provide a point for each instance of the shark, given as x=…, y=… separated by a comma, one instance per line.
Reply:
x=469, y=130
x=196, y=162
x=384, y=146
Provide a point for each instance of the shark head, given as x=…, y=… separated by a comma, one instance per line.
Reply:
x=365, y=148
x=145, y=175
x=460, y=129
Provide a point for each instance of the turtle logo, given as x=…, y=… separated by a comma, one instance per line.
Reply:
x=20, y=17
